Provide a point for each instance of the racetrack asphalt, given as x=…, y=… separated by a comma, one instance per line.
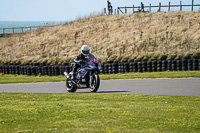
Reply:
x=179, y=87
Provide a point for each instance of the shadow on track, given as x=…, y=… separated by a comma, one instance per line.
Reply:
x=107, y=92
x=112, y=91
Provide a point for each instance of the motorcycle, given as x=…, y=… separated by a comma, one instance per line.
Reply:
x=86, y=77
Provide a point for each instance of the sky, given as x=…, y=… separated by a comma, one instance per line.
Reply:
x=65, y=10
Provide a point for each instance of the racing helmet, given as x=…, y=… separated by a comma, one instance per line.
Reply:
x=85, y=50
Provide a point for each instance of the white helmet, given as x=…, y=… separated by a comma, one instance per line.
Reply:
x=85, y=50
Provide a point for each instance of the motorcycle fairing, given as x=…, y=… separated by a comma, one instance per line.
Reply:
x=85, y=69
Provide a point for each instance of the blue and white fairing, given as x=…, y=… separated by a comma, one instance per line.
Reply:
x=91, y=65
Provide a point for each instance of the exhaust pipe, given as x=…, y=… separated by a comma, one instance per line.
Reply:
x=66, y=75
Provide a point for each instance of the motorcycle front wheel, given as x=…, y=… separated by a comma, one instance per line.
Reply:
x=70, y=86
x=95, y=83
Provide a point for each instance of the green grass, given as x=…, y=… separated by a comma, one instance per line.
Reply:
x=167, y=74
x=8, y=78
x=25, y=112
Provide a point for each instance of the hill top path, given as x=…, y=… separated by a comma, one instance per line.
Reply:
x=178, y=87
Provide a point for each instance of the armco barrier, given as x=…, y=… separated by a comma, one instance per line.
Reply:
x=112, y=67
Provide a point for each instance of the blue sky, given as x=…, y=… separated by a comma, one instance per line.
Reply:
x=64, y=10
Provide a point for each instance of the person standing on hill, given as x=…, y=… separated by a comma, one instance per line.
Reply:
x=109, y=8
x=142, y=7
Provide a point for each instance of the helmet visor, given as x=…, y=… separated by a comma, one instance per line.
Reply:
x=85, y=52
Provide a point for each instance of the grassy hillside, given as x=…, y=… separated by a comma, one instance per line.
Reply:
x=111, y=37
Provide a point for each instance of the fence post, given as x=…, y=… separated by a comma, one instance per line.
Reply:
x=22, y=30
x=180, y=5
x=169, y=7
x=159, y=7
x=30, y=29
x=149, y=7
x=13, y=30
x=3, y=30
x=104, y=11
x=133, y=9
x=192, y=4
x=125, y=10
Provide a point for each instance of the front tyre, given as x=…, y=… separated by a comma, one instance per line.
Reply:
x=70, y=86
x=95, y=83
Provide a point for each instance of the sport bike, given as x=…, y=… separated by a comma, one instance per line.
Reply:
x=86, y=77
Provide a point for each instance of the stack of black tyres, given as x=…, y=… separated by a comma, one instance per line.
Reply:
x=131, y=66
x=190, y=65
x=159, y=65
x=164, y=65
x=174, y=65
x=115, y=67
x=169, y=64
x=135, y=66
x=109, y=68
x=41, y=67
x=144, y=65
x=126, y=67
x=139, y=66
x=102, y=69
x=56, y=70
x=179, y=65
x=49, y=71
x=5, y=69
x=62, y=68
x=149, y=66
x=28, y=69
x=154, y=66
x=121, y=67
x=1, y=68
x=106, y=68
x=199, y=64
x=184, y=65
x=195, y=64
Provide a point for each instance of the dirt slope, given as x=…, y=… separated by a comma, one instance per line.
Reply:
x=129, y=35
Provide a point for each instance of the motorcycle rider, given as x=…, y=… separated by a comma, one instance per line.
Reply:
x=81, y=59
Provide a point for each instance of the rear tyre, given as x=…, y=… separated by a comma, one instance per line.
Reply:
x=70, y=86
x=95, y=83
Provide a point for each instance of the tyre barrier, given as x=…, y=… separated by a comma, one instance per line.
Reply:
x=199, y=64
x=179, y=65
x=184, y=64
x=174, y=65
x=159, y=65
x=164, y=65
x=154, y=66
x=149, y=66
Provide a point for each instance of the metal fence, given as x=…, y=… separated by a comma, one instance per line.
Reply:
x=20, y=29
x=159, y=7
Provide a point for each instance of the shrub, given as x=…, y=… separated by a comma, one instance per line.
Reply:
x=171, y=56
x=125, y=58
x=155, y=56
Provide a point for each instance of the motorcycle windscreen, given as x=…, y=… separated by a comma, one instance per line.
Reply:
x=88, y=67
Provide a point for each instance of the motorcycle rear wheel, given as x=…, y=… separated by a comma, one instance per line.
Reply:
x=95, y=83
x=70, y=86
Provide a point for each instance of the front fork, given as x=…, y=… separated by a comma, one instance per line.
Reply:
x=91, y=78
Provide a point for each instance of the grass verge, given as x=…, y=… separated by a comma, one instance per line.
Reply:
x=167, y=74
x=8, y=78
x=25, y=112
